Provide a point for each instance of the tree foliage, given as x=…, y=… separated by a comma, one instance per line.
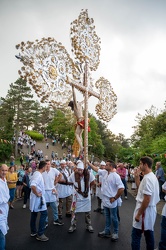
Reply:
x=18, y=111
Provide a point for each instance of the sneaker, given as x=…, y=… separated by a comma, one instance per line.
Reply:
x=46, y=225
x=33, y=234
x=104, y=235
x=11, y=207
x=72, y=228
x=24, y=206
x=114, y=237
x=98, y=210
x=58, y=223
x=90, y=229
x=125, y=197
x=42, y=237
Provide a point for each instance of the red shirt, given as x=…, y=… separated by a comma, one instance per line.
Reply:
x=122, y=172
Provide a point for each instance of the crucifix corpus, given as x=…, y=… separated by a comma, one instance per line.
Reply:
x=54, y=75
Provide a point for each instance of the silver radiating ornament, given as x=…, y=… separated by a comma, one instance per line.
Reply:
x=85, y=42
x=106, y=108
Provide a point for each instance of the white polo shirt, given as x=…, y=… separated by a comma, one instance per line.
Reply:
x=49, y=178
x=110, y=184
x=38, y=182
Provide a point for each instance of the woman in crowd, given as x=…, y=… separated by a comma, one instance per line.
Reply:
x=11, y=178
x=19, y=184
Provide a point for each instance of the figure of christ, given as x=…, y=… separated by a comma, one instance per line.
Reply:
x=77, y=108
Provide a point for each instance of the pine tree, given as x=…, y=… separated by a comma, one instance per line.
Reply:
x=19, y=98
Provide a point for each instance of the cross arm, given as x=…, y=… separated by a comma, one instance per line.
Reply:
x=82, y=88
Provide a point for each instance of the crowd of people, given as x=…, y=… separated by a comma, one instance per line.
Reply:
x=48, y=182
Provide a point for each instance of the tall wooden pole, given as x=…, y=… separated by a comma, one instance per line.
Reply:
x=86, y=115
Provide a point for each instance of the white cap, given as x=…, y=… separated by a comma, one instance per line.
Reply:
x=102, y=163
x=80, y=165
x=62, y=162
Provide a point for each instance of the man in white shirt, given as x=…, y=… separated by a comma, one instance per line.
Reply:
x=99, y=190
x=65, y=190
x=4, y=207
x=82, y=179
x=38, y=203
x=51, y=177
x=145, y=211
x=112, y=189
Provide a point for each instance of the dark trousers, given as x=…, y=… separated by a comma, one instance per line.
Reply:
x=162, y=243
x=41, y=227
x=162, y=194
x=125, y=186
x=136, y=239
x=26, y=191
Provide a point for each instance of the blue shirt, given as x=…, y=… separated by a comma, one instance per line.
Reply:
x=160, y=174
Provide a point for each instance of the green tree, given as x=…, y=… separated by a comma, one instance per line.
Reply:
x=143, y=134
x=159, y=127
x=94, y=139
x=20, y=98
x=61, y=125
x=6, y=130
x=36, y=116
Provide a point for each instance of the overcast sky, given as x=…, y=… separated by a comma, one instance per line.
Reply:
x=133, y=46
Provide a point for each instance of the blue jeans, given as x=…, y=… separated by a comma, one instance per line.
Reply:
x=162, y=243
x=125, y=186
x=54, y=210
x=2, y=241
x=162, y=194
x=111, y=217
x=41, y=228
x=136, y=239
x=12, y=193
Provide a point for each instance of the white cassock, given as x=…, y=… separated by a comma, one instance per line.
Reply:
x=38, y=182
x=4, y=207
x=49, y=178
x=82, y=204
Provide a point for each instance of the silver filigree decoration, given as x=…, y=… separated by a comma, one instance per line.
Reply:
x=106, y=108
x=85, y=42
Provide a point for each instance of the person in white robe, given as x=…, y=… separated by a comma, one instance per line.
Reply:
x=145, y=211
x=38, y=203
x=4, y=207
x=51, y=177
x=82, y=180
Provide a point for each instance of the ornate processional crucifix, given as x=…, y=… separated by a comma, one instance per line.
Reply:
x=48, y=67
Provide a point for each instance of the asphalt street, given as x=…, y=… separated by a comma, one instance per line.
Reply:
x=18, y=237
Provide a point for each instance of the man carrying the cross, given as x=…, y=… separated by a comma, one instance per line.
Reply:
x=82, y=179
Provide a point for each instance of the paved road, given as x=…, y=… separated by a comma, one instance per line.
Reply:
x=18, y=237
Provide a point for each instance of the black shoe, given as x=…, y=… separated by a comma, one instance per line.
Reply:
x=102, y=211
x=58, y=223
x=104, y=235
x=98, y=210
x=68, y=215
